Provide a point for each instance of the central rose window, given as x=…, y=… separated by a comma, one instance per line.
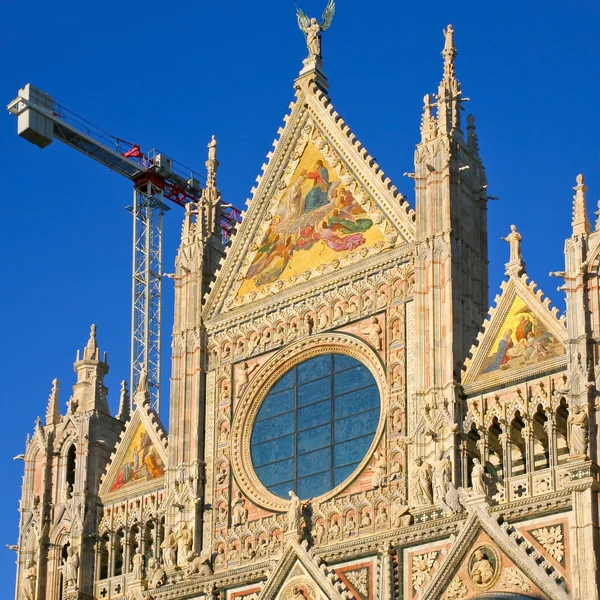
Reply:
x=315, y=426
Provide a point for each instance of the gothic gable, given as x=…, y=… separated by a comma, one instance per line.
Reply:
x=487, y=556
x=140, y=455
x=522, y=338
x=322, y=205
x=300, y=575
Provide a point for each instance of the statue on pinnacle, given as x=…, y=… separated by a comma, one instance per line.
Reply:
x=312, y=29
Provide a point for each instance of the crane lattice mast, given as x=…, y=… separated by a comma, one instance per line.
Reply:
x=156, y=178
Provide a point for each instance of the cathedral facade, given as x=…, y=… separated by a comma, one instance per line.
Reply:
x=348, y=419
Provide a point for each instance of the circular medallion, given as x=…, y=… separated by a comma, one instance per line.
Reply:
x=484, y=567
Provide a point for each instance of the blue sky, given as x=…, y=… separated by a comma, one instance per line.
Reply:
x=171, y=75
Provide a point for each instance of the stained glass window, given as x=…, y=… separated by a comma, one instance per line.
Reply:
x=315, y=426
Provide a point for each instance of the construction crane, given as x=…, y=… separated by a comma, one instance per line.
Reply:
x=156, y=178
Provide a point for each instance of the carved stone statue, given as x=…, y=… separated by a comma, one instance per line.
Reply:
x=29, y=580
x=184, y=544
x=71, y=568
x=378, y=479
x=143, y=381
x=199, y=565
x=319, y=532
x=451, y=502
x=514, y=239
x=482, y=571
x=350, y=525
x=422, y=491
x=248, y=552
x=243, y=376
x=309, y=324
x=138, y=565
x=323, y=319
x=334, y=529
x=169, y=546
x=294, y=513
x=155, y=574
x=312, y=29
x=400, y=514
x=577, y=432
x=478, y=478
x=366, y=519
x=239, y=512
x=442, y=474
x=234, y=553
x=220, y=559
x=338, y=312
x=374, y=332
x=382, y=516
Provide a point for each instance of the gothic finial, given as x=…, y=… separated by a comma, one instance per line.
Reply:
x=428, y=120
x=210, y=209
x=580, y=221
x=515, y=265
x=124, y=405
x=449, y=96
x=52, y=412
x=91, y=349
x=212, y=164
x=472, y=139
x=449, y=52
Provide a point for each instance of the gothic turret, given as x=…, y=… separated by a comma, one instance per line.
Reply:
x=89, y=393
x=64, y=461
x=451, y=285
x=197, y=260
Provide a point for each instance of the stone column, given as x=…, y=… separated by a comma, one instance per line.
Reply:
x=464, y=457
x=112, y=540
x=506, y=442
x=527, y=435
x=583, y=531
x=386, y=573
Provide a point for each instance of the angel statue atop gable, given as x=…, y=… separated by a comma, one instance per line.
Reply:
x=312, y=29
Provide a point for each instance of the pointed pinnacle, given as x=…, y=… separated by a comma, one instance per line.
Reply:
x=124, y=404
x=580, y=221
x=52, y=412
x=449, y=52
x=91, y=349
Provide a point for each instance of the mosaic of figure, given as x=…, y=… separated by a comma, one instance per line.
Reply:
x=141, y=462
x=317, y=219
x=523, y=340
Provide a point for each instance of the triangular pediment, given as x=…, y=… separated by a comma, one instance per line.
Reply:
x=321, y=205
x=299, y=574
x=522, y=338
x=487, y=557
x=140, y=457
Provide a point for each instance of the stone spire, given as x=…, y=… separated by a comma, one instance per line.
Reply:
x=124, y=404
x=89, y=393
x=90, y=352
x=429, y=128
x=580, y=221
x=515, y=264
x=449, y=96
x=209, y=206
x=52, y=412
x=449, y=53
